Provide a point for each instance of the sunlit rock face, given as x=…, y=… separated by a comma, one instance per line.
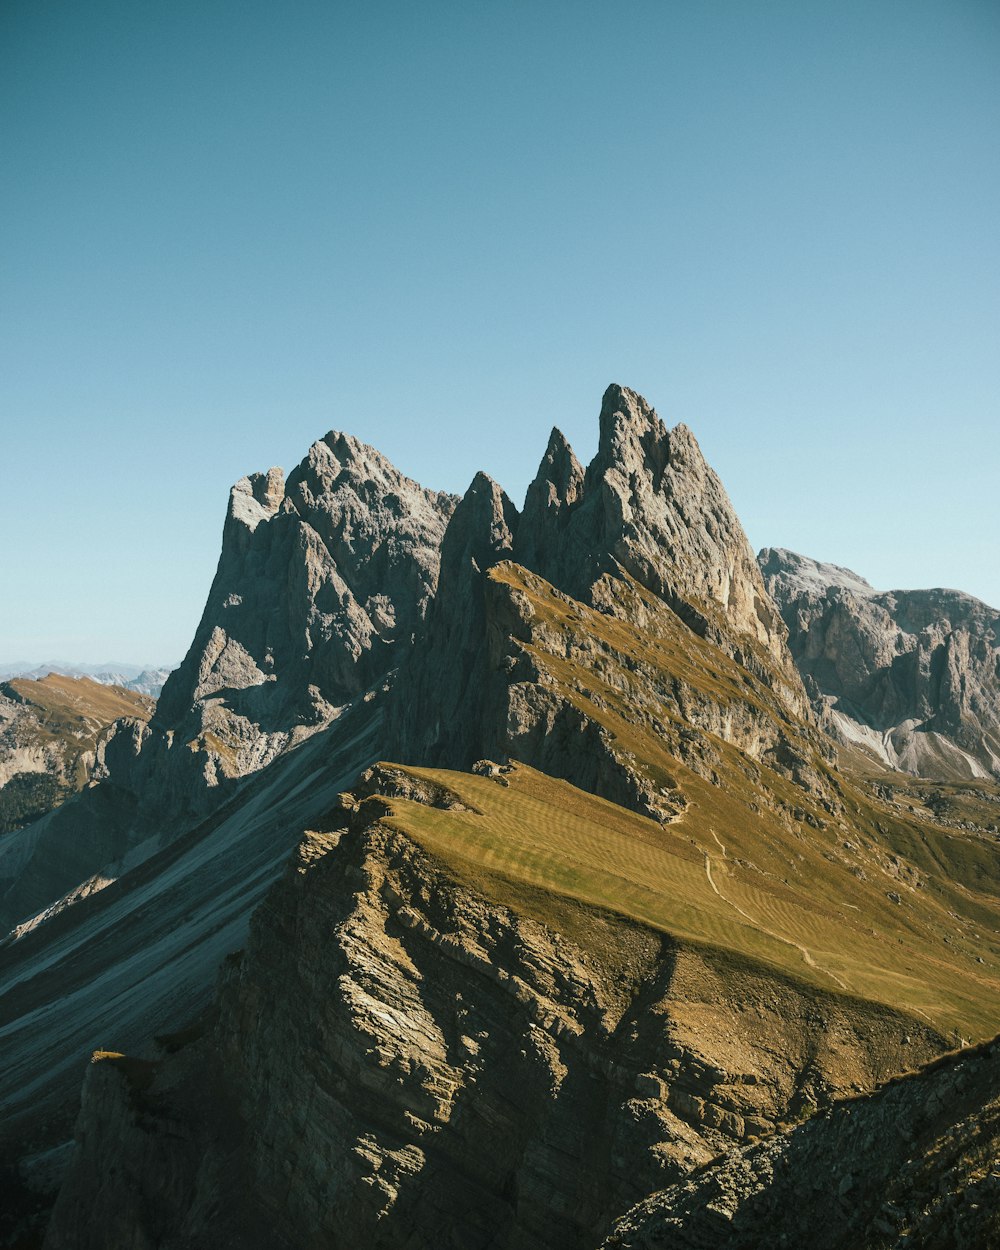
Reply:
x=912, y=676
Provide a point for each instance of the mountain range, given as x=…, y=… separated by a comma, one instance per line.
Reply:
x=562, y=876
x=143, y=679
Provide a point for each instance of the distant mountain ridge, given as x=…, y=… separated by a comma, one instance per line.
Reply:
x=911, y=676
x=51, y=730
x=143, y=679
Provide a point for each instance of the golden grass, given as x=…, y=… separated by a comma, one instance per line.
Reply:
x=78, y=708
x=549, y=835
x=756, y=865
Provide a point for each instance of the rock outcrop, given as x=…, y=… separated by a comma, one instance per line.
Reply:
x=398, y=1060
x=321, y=583
x=646, y=529
x=913, y=1165
x=913, y=676
x=649, y=506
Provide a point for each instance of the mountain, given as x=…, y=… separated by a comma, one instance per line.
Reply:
x=50, y=731
x=532, y=883
x=319, y=581
x=143, y=680
x=910, y=676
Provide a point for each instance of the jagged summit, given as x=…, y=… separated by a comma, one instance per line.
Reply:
x=614, y=908
x=256, y=498
x=648, y=511
x=630, y=431
x=559, y=479
x=482, y=527
x=649, y=505
x=556, y=488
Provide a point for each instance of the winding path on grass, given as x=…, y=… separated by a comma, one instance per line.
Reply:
x=803, y=951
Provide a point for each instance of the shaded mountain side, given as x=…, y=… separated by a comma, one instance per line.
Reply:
x=607, y=696
x=130, y=958
x=50, y=730
x=913, y=1165
x=910, y=676
x=399, y=1054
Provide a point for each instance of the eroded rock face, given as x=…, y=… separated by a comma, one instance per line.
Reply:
x=446, y=696
x=396, y=1055
x=321, y=581
x=913, y=1165
x=650, y=505
x=647, y=514
x=911, y=675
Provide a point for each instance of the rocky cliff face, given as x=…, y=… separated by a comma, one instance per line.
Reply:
x=649, y=506
x=646, y=531
x=399, y=1060
x=50, y=729
x=911, y=675
x=914, y=1165
x=321, y=583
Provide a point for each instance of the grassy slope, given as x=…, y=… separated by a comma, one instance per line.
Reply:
x=78, y=707
x=64, y=717
x=755, y=864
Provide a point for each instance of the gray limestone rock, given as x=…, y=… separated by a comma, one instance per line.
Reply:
x=911, y=675
x=321, y=583
x=650, y=506
x=648, y=510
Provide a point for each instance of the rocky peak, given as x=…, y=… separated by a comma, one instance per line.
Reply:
x=787, y=573
x=548, y=504
x=256, y=498
x=559, y=479
x=632, y=439
x=647, y=506
x=482, y=529
x=322, y=582
x=912, y=676
x=650, y=505
x=443, y=687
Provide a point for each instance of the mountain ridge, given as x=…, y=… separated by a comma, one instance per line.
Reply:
x=910, y=676
x=615, y=863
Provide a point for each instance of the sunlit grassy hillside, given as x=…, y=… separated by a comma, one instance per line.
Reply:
x=814, y=870
x=840, y=933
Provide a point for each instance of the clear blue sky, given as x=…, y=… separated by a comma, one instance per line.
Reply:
x=229, y=227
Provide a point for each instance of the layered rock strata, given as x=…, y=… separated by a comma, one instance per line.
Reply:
x=915, y=1165
x=397, y=1060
